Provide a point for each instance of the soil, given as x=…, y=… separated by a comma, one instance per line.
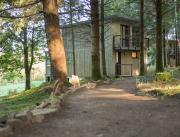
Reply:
x=110, y=111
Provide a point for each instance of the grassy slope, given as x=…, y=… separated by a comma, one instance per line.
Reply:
x=19, y=87
x=21, y=101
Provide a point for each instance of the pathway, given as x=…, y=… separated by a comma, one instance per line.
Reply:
x=110, y=111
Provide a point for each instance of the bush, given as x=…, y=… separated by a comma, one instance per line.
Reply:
x=163, y=76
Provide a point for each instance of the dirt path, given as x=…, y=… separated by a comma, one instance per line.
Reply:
x=111, y=111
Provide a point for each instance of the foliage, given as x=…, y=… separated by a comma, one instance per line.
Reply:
x=152, y=56
x=163, y=76
x=11, y=76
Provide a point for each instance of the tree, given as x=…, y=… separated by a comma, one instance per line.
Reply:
x=159, y=62
x=27, y=43
x=54, y=38
x=142, y=69
x=102, y=39
x=96, y=73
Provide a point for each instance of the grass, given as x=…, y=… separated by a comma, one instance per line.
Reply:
x=159, y=88
x=5, y=89
x=22, y=101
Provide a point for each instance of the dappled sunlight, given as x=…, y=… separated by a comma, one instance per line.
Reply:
x=115, y=93
x=127, y=96
x=110, y=89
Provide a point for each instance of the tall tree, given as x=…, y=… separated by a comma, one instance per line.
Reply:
x=102, y=39
x=142, y=69
x=54, y=37
x=96, y=73
x=176, y=33
x=159, y=62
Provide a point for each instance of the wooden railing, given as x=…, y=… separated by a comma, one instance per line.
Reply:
x=128, y=42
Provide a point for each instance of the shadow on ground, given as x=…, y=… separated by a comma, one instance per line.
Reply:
x=110, y=111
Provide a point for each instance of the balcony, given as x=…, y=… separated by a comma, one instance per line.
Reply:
x=127, y=42
x=171, y=52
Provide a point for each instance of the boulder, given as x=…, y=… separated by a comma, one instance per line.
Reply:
x=15, y=123
x=6, y=131
x=91, y=85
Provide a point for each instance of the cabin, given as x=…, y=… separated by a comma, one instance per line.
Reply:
x=172, y=49
x=122, y=47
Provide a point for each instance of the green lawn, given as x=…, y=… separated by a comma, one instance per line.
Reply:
x=19, y=87
x=16, y=103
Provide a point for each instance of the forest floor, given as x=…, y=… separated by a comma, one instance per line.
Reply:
x=111, y=110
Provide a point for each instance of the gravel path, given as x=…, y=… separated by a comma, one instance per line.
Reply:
x=110, y=111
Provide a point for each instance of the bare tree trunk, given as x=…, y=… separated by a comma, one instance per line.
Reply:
x=164, y=45
x=26, y=61
x=102, y=39
x=55, y=42
x=142, y=69
x=159, y=62
x=176, y=32
x=96, y=73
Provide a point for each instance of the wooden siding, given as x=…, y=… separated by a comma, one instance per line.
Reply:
x=83, y=50
x=110, y=60
x=126, y=58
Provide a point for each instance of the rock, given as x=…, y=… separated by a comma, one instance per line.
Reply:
x=2, y=125
x=29, y=116
x=91, y=85
x=21, y=115
x=6, y=131
x=38, y=118
x=3, y=120
x=44, y=104
x=15, y=123
x=108, y=81
x=12, y=115
x=44, y=111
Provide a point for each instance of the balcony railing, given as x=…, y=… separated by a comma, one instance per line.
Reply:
x=127, y=42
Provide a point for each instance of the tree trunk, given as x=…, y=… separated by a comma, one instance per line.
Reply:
x=96, y=73
x=26, y=61
x=102, y=39
x=176, y=32
x=55, y=42
x=164, y=45
x=142, y=69
x=159, y=62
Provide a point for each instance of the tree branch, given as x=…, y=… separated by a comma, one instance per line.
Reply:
x=22, y=6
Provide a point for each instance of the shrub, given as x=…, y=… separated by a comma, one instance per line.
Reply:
x=163, y=76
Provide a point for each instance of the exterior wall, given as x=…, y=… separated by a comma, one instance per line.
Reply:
x=110, y=60
x=170, y=53
x=82, y=50
x=126, y=58
x=82, y=41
